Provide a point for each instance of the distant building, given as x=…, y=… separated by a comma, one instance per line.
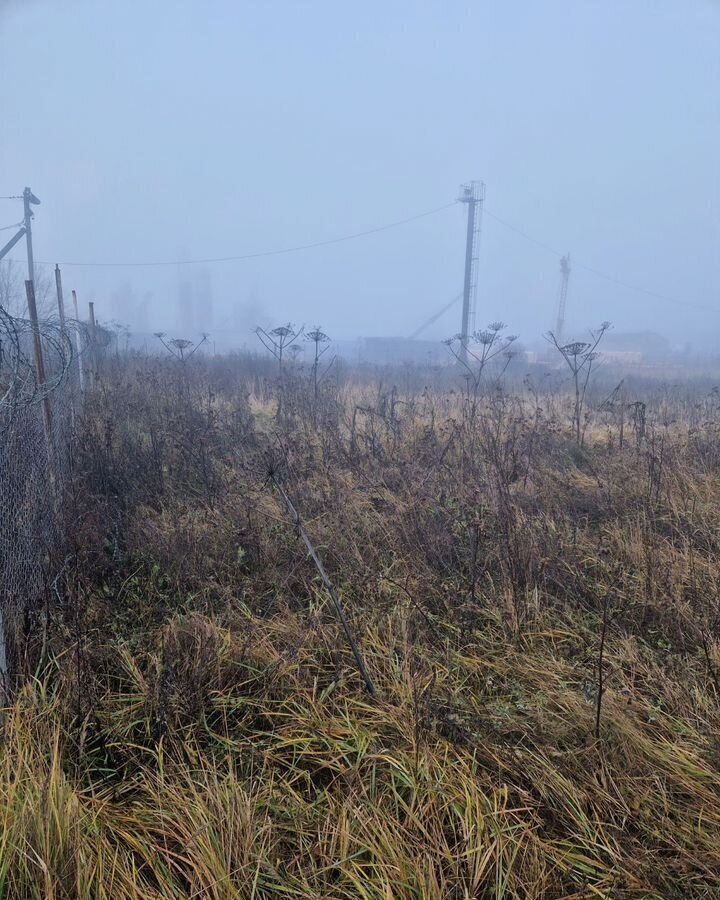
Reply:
x=621, y=357
x=185, y=318
x=203, y=300
x=647, y=344
x=142, y=319
x=194, y=302
x=620, y=349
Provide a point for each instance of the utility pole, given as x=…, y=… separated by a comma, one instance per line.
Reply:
x=473, y=194
x=29, y=199
x=564, y=278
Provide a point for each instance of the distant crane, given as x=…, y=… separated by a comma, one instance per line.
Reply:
x=472, y=193
x=564, y=278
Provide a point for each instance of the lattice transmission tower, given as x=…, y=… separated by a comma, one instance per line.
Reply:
x=473, y=194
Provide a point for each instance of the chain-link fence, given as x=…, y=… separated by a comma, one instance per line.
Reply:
x=41, y=390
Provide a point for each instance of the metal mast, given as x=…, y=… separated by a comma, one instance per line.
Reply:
x=564, y=277
x=473, y=194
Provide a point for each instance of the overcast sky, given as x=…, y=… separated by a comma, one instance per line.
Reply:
x=187, y=129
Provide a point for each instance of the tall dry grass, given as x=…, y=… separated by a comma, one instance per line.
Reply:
x=197, y=727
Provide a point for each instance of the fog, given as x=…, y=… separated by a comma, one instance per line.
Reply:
x=158, y=132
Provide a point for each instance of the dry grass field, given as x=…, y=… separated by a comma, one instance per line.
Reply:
x=539, y=619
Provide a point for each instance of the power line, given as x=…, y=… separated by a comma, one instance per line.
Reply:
x=8, y=227
x=262, y=253
x=523, y=234
x=598, y=273
x=633, y=287
x=358, y=234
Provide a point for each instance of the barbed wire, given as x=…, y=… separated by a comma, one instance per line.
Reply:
x=19, y=384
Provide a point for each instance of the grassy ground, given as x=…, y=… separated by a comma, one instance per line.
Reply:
x=196, y=726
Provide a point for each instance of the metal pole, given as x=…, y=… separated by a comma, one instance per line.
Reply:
x=93, y=344
x=564, y=276
x=63, y=332
x=3, y=661
x=467, y=285
x=78, y=345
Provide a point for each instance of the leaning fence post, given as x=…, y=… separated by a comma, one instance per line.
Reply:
x=328, y=584
x=60, y=300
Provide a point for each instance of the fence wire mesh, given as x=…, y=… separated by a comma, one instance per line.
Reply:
x=37, y=421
